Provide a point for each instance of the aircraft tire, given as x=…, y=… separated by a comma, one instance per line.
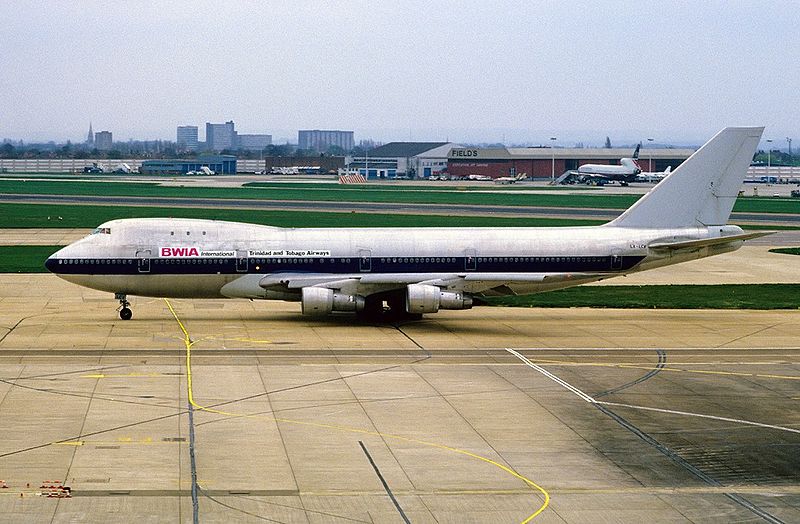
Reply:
x=125, y=313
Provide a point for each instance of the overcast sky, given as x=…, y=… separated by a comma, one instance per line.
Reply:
x=428, y=70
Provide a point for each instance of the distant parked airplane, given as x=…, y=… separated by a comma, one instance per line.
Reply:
x=373, y=271
x=204, y=170
x=653, y=176
x=623, y=173
x=511, y=179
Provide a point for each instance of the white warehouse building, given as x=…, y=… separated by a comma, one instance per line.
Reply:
x=404, y=160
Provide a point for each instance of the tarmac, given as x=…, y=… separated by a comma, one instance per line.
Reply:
x=256, y=413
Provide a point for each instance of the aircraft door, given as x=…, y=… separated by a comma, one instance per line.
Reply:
x=364, y=260
x=241, y=261
x=143, y=260
x=470, y=260
x=616, y=261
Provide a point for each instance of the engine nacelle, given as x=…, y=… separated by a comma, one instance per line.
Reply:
x=318, y=301
x=424, y=298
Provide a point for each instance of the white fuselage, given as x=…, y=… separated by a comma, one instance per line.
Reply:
x=628, y=167
x=211, y=259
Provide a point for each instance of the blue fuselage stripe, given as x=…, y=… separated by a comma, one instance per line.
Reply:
x=201, y=266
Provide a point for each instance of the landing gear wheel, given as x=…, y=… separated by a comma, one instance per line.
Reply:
x=386, y=308
x=125, y=312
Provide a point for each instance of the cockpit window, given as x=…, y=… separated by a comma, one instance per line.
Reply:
x=101, y=231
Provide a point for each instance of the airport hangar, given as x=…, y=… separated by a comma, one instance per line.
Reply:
x=542, y=162
x=404, y=159
x=221, y=164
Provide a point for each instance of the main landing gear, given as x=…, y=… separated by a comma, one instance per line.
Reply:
x=386, y=307
x=124, y=309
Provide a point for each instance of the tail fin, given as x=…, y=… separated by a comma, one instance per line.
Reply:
x=636, y=152
x=702, y=190
x=667, y=170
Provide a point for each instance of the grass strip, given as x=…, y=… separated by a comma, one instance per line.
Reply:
x=25, y=259
x=79, y=216
x=721, y=296
x=314, y=193
x=786, y=250
x=16, y=216
x=365, y=193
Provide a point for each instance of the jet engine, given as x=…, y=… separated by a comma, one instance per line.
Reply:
x=423, y=298
x=318, y=301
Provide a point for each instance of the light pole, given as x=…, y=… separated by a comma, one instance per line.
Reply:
x=553, y=158
x=769, y=158
x=650, y=157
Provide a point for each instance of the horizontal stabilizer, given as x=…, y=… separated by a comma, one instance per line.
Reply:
x=705, y=242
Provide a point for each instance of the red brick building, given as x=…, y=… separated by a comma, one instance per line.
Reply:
x=541, y=162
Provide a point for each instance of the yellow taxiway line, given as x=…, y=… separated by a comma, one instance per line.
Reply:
x=188, y=343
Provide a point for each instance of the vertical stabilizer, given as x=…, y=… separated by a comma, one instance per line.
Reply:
x=702, y=190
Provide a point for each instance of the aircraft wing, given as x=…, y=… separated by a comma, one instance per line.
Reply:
x=472, y=282
x=706, y=242
x=300, y=280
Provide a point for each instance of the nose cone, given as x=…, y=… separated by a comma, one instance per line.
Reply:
x=52, y=262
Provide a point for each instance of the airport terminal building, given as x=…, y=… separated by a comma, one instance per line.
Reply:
x=540, y=163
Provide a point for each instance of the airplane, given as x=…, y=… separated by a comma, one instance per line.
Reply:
x=285, y=171
x=204, y=170
x=653, y=176
x=383, y=273
x=123, y=168
x=511, y=179
x=623, y=173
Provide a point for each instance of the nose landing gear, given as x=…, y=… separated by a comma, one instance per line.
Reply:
x=125, y=312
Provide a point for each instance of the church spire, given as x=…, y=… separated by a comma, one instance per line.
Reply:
x=90, y=137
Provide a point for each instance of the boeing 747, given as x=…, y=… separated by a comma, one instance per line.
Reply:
x=416, y=270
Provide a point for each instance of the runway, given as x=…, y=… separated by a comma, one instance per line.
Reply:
x=487, y=415
x=763, y=219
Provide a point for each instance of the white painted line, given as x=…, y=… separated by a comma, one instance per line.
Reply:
x=552, y=377
x=700, y=415
x=591, y=400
